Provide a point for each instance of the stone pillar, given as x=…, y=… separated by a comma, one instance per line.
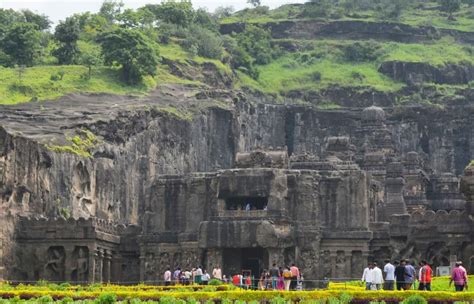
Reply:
x=348, y=259
x=107, y=263
x=394, y=183
x=333, y=259
x=98, y=255
x=467, y=188
x=115, y=268
x=91, y=264
x=142, y=266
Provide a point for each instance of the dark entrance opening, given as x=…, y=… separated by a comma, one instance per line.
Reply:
x=245, y=260
x=246, y=203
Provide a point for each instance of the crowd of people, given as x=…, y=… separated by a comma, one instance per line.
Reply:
x=196, y=275
x=403, y=275
x=276, y=278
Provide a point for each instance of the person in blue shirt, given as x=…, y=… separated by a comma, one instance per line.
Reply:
x=410, y=275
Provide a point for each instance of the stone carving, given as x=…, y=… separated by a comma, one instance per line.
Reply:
x=54, y=267
x=80, y=273
x=150, y=267
x=341, y=265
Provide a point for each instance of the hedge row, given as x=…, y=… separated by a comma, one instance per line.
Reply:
x=247, y=296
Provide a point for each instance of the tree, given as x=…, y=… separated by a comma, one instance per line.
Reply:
x=257, y=42
x=450, y=6
x=317, y=8
x=67, y=33
x=391, y=9
x=110, y=9
x=255, y=3
x=177, y=12
x=22, y=43
x=223, y=11
x=130, y=49
x=41, y=21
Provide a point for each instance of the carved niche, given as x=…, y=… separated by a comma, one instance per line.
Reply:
x=54, y=267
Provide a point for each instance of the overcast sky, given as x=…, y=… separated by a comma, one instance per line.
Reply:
x=59, y=9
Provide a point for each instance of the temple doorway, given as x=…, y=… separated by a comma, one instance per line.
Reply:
x=245, y=260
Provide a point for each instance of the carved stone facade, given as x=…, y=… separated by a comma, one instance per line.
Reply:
x=358, y=200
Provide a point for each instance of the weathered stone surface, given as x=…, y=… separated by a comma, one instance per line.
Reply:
x=328, y=193
x=418, y=72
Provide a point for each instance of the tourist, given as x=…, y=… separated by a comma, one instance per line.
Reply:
x=389, y=271
x=188, y=276
x=410, y=275
x=225, y=279
x=248, y=281
x=425, y=276
x=295, y=274
x=367, y=276
x=198, y=275
x=400, y=274
x=261, y=281
x=176, y=275
x=217, y=273
x=281, y=281
x=237, y=280
x=377, y=278
x=167, y=277
x=274, y=274
x=459, y=277
x=287, y=275
x=205, y=278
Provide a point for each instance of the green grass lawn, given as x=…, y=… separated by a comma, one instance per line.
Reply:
x=36, y=83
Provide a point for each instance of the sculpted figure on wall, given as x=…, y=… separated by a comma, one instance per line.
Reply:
x=81, y=271
x=54, y=267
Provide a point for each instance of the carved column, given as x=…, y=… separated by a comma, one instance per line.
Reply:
x=98, y=257
x=394, y=183
x=333, y=259
x=467, y=188
x=107, y=263
x=91, y=258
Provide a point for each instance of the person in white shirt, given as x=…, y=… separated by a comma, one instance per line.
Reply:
x=205, y=278
x=167, y=277
x=377, y=278
x=389, y=270
x=217, y=273
x=367, y=276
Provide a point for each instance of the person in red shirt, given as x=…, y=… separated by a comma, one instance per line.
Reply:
x=425, y=278
x=295, y=274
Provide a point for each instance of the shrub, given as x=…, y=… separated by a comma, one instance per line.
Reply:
x=415, y=299
x=45, y=299
x=108, y=298
x=362, y=51
x=215, y=282
x=315, y=76
x=206, y=42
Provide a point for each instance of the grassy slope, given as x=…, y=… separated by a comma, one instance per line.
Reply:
x=36, y=81
x=288, y=73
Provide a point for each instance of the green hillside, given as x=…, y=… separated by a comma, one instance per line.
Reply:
x=174, y=43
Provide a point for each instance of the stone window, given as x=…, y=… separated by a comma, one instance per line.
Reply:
x=246, y=203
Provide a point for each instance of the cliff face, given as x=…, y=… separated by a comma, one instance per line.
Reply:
x=139, y=139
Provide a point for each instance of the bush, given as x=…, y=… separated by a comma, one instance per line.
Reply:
x=215, y=282
x=108, y=298
x=315, y=76
x=415, y=299
x=362, y=51
x=207, y=43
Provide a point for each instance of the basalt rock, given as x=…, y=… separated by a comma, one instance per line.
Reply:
x=238, y=181
x=418, y=72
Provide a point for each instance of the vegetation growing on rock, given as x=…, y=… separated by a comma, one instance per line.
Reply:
x=319, y=45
